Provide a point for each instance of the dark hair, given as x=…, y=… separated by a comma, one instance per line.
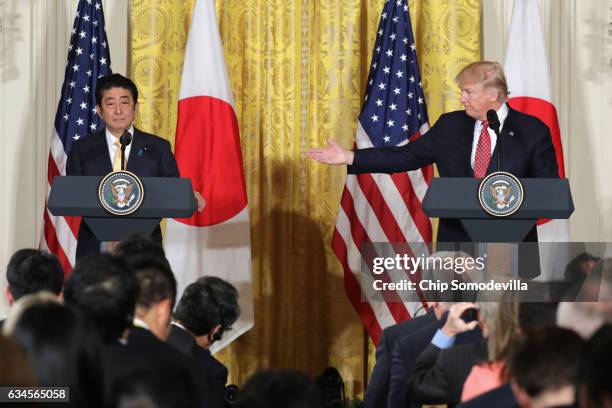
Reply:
x=276, y=389
x=578, y=268
x=155, y=280
x=115, y=81
x=206, y=303
x=594, y=370
x=545, y=359
x=31, y=271
x=63, y=351
x=103, y=287
x=139, y=245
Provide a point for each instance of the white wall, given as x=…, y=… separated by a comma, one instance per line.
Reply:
x=33, y=43
x=34, y=37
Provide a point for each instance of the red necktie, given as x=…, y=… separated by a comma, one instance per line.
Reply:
x=483, y=152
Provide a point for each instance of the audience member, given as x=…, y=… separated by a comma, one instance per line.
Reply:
x=504, y=329
x=105, y=290
x=279, y=389
x=206, y=310
x=543, y=367
x=139, y=245
x=31, y=271
x=593, y=383
x=578, y=269
x=63, y=350
x=147, y=338
x=441, y=369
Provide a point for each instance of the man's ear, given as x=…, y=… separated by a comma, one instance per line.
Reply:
x=212, y=335
x=98, y=109
x=136, y=107
x=9, y=296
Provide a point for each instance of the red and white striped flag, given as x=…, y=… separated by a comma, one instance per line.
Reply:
x=207, y=149
x=528, y=77
x=380, y=207
x=76, y=117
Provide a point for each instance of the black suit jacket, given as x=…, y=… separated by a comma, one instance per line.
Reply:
x=150, y=156
x=439, y=375
x=143, y=344
x=526, y=151
x=217, y=372
x=378, y=386
x=405, y=354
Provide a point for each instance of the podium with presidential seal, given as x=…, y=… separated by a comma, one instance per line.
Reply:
x=121, y=204
x=500, y=207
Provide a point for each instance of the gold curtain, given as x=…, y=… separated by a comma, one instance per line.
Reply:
x=298, y=70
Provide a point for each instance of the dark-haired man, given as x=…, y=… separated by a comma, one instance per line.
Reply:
x=207, y=308
x=31, y=271
x=99, y=153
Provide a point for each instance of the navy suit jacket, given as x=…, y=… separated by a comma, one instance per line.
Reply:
x=150, y=156
x=378, y=386
x=526, y=151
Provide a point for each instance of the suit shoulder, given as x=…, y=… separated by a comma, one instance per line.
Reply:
x=526, y=120
x=151, y=138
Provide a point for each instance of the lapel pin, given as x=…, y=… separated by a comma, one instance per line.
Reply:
x=511, y=133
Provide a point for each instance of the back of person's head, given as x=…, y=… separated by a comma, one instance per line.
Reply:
x=154, y=386
x=156, y=293
x=115, y=81
x=534, y=309
x=544, y=360
x=579, y=268
x=30, y=271
x=63, y=350
x=105, y=290
x=138, y=245
x=279, y=389
x=15, y=368
x=155, y=279
x=594, y=371
x=207, y=303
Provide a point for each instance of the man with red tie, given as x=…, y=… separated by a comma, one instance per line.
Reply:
x=461, y=143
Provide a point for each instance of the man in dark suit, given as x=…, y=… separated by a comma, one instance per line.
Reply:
x=99, y=153
x=461, y=144
x=378, y=387
x=441, y=369
x=207, y=308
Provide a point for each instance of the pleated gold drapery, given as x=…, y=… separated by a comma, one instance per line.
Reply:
x=298, y=70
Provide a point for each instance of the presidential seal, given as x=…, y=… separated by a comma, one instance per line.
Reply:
x=120, y=192
x=500, y=194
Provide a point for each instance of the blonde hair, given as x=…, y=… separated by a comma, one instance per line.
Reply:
x=489, y=74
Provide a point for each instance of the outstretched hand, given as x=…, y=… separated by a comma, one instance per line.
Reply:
x=332, y=154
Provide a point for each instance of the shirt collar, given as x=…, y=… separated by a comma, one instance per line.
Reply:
x=110, y=138
x=502, y=114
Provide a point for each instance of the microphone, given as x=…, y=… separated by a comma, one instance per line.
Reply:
x=125, y=141
x=493, y=121
x=494, y=124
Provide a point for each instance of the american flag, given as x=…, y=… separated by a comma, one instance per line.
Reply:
x=381, y=207
x=88, y=59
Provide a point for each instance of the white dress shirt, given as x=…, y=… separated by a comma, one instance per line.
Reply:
x=502, y=114
x=112, y=149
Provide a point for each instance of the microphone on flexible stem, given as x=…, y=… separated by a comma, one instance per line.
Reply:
x=494, y=124
x=125, y=141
